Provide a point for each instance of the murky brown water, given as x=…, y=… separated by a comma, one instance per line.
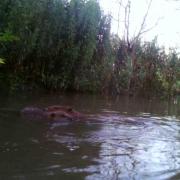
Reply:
x=124, y=138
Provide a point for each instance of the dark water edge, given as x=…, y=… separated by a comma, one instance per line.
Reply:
x=121, y=103
x=124, y=138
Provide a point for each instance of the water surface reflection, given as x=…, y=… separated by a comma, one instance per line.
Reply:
x=150, y=150
x=122, y=139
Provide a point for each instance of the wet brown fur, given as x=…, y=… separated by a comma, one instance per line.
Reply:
x=54, y=112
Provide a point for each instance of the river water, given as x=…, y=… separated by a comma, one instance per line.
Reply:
x=122, y=138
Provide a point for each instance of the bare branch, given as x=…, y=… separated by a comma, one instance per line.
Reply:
x=120, y=4
x=127, y=20
x=141, y=30
x=149, y=29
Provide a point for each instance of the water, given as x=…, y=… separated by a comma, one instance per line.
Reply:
x=123, y=138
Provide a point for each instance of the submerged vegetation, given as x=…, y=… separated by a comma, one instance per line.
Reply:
x=67, y=45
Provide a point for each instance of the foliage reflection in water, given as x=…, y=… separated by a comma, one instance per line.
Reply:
x=122, y=139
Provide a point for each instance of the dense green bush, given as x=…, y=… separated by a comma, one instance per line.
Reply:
x=67, y=45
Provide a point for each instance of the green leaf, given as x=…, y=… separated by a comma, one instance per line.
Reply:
x=8, y=37
x=2, y=61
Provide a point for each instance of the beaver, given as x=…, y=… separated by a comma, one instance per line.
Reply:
x=63, y=111
x=52, y=112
